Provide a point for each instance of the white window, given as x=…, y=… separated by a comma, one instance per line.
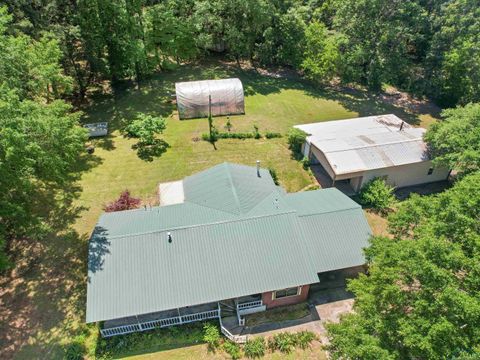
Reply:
x=294, y=291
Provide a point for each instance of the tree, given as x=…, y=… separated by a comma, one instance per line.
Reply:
x=235, y=25
x=321, y=55
x=454, y=142
x=145, y=128
x=39, y=147
x=381, y=40
x=420, y=299
x=124, y=202
x=40, y=140
x=283, y=42
x=377, y=194
x=170, y=34
x=296, y=138
x=452, y=63
x=31, y=68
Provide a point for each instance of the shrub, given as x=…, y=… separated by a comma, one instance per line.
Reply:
x=232, y=349
x=272, y=135
x=228, y=125
x=213, y=134
x=256, y=133
x=296, y=139
x=304, y=338
x=144, y=127
x=229, y=135
x=377, y=194
x=305, y=163
x=124, y=202
x=75, y=350
x=211, y=335
x=284, y=342
x=274, y=175
x=255, y=348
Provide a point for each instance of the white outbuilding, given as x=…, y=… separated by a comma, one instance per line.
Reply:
x=193, y=98
x=357, y=150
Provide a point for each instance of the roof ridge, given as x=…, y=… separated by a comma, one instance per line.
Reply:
x=374, y=145
x=234, y=190
x=332, y=211
x=240, y=219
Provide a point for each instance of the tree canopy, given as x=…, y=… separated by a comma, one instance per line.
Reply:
x=455, y=141
x=40, y=140
x=420, y=299
x=426, y=47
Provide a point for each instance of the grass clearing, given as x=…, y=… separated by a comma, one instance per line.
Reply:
x=42, y=304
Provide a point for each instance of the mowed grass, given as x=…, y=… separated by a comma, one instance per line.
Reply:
x=44, y=307
x=273, y=104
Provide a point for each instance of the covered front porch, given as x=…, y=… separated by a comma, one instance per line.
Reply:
x=160, y=319
x=214, y=310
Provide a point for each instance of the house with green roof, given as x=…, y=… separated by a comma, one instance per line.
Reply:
x=236, y=244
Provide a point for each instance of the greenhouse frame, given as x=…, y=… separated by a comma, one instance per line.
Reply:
x=193, y=98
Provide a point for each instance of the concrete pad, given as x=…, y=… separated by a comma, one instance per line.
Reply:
x=171, y=193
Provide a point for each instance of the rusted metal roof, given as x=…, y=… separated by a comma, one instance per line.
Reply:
x=367, y=143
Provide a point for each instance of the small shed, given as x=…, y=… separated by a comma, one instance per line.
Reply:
x=193, y=98
x=97, y=129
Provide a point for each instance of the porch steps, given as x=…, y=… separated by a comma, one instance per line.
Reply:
x=231, y=324
x=228, y=308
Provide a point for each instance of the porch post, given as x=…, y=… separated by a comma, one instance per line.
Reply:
x=138, y=322
x=179, y=316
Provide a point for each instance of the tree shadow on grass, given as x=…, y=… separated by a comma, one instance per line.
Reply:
x=154, y=95
x=43, y=296
x=148, y=152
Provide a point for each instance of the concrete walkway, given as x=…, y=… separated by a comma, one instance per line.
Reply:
x=171, y=193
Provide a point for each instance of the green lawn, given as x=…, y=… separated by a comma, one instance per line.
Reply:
x=44, y=305
x=272, y=104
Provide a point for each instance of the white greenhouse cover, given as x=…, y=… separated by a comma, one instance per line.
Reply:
x=193, y=98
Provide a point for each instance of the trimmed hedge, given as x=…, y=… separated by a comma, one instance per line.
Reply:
x=240, y=135
x=272, y=135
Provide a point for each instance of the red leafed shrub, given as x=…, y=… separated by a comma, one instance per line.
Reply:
x=124, y=202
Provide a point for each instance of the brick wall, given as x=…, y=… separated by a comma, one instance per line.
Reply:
x=268, y=300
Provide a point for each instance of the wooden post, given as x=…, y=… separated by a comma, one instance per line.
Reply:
x=210, y=106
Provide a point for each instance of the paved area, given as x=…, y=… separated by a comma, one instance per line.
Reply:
x=325, y=305
x=171, y=193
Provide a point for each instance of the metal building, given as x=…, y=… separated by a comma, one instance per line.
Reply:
x=355, y=151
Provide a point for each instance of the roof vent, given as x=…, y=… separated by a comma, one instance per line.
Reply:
x=258, y=168
x=169, y=235
x=401, y=125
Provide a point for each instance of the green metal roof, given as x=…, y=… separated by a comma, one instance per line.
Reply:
x=235, y=235
x=237, y=187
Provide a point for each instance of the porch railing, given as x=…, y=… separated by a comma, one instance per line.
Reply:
x=249, y=305
x=239, y=339
x=160, y=323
